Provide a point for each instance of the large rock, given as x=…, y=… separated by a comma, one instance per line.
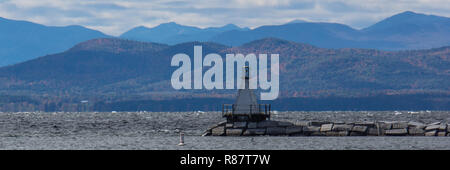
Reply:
x=396, y=132
x=342, y=127
x=435, y=123
x=222, y=123
x=294, y=130
x=317, y=134
x=252, y=132
x=326, y=127
x=443, y=127
x=441, y=134
x=239, y=124
x=414, y=131
x=218, y=131
x=233, y=132
x=311, y=129
x=431, y=133
x=302, y=123
x=416, y=125
x=207, y=133
x=399, y=125
x=267, y=123
x=432, y=127
x=360, y=129
x=365, y=123
x=372, y=131
x=285, y=124
x=385, y=125
x=318, y=123
x=276, y=131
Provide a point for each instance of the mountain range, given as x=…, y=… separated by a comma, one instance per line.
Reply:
x=117, y=70
x=407, y=30
x=21, y=40
x=173, y=33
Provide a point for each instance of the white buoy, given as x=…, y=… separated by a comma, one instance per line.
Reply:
x=181, y=139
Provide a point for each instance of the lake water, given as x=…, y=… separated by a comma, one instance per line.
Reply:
x=160, y=130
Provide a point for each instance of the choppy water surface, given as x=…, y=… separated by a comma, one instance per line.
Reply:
x=159, y=130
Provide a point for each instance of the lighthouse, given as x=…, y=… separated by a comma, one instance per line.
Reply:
x=246, y=107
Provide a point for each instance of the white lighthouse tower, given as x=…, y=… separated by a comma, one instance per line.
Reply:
x=246, y=107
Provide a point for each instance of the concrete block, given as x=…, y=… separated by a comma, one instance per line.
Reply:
x=267, y=123
x=443, y=127
x=331, y=133
x=229, y=125
x=413, y=131
x=239, y=124
x=396, y=132
x=343, y=133
x=360, y=129
x=222, y=123
x=326, y=127
x=385, y=126
x=310, y=129
x=431, y=133
x=435, y=123
x=318, y=123
x=399, y=125
x=366, y=123
x=317, y=134
x=342, y=127
x=372, y=131
x=294, y=130
x=441, y=134
x=276, y=131
x=432, y=127
x=416, y=125
x=218, y=131
x=285, y=124
x=253, y=132
x=233, y=132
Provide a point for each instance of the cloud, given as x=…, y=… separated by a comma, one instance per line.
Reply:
x=117, y=16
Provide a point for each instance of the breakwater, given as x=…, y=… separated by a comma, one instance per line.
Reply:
x=326, y=128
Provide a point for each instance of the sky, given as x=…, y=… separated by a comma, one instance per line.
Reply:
x=114, y=17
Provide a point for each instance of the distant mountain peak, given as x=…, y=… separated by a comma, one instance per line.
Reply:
x=408, y=21
x=173, y=25
x=296, y=21
x=233, y=26
x=141, y=27
x=405, y=15
x=408, y=13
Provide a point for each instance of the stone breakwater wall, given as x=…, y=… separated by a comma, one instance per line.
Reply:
x=319, y=128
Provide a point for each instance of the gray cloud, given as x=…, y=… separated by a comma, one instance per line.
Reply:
x=117, y=16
